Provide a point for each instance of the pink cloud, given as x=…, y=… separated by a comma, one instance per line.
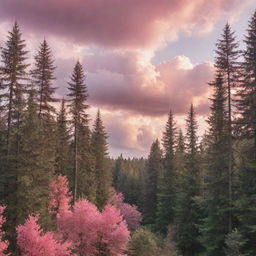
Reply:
x=131, y=134
x=118, y=23
x=151, y=90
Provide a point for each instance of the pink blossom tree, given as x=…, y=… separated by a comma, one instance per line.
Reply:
x=94, y=233
x=80, y=226
x=60, y=196
x=33, y=242
x=112, y=233
x=3, y=244
x=130, y=213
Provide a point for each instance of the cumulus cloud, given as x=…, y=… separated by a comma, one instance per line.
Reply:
x=129, y=81
x=131, y=134
x=148, y=89
x=119, y=23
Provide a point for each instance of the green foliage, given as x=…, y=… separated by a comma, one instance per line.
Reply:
x=13, y=80
x=35, y=168
x=246, y=125
x=215, y=224
x=180, y=156
x=246, y=205
x=168, y=179
x=153, y=172
x=102, y=172
x=83, y=181
x=63, y=150
x=43, y=77
x=246, y=102
x=188, y=213
x=129, y=178
x=234, y=242
x=143, y=243
x=169, y=245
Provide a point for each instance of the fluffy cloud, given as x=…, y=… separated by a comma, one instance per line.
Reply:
x=129, y=81
x=151, y=90
x=131, y=134
x=119, y=23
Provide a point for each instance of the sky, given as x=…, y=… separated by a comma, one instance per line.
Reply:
x=141, y=57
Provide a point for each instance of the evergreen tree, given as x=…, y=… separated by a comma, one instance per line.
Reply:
x=82, y=159
x=227, y=64
x=13, y=56
x=247, y=127
x=35, y=168
x=180, y=159
x=86, y=184
x=129, y=177
x=180, y=152
x=2, y=158
x=117, y=172
x=215, y=226
x=154, y=169
x=100, y=152
x=63, y=152
x=247, y=93
x=143, y=243
x=188, y=213
x=234, y=242
x=13, y=80
x=43, y=78
x=167, y=184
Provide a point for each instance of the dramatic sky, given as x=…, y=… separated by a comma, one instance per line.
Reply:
x=142, y=57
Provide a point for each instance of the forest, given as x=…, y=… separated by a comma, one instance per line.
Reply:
x=62, y=194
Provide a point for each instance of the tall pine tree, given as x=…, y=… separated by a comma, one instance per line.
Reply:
x=100, y=153
x=63, y=152
x=13, y=86
x=215, y=226
x=43, y=78
x=14, y=76
x=188, y=214
x=82, y=155
x=247, y=127
x=154, y=169
x=35, y=169
x=167, y=184
x=226, y=63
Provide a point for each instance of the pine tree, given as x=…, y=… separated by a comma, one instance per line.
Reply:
x=247, y=127
x=81, y=133
x=215, y=226
x=13, y=77
x=187, y=212
x=234, y=242
x=63, y=152
x=13, y=57
x=86, y=184
x=2, y=158
x=100, y=152
x=35, y=168
x=227, y=64
x=117, y=172
x=43, y=79
x=247, y=93
x=167, y=184
x=179, y=158
x=143, y=242
x=154, y=169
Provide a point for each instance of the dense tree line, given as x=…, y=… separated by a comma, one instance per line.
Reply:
x=197, y=195
x=203, y=189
